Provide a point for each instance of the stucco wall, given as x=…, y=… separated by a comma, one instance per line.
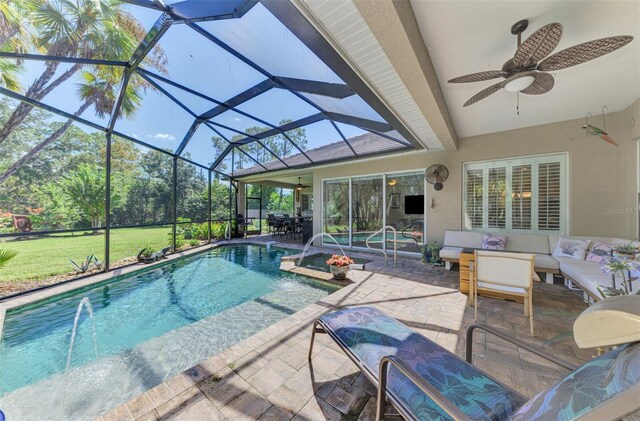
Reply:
x=602, y=178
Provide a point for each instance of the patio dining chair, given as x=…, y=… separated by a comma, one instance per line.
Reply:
x=505, y=273
x=424, y=381
x=242, y=223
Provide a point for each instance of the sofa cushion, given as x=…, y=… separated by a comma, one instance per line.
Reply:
x=544, y=261
x=553, y=239
x=569, y=247
x=494, y=242
x=599, y=250
x=588, y=275
x=450, y=253
x=528, y=243
x=464, y=239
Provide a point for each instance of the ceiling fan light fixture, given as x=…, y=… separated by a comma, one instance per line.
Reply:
x=299, y=186
x=518, y=84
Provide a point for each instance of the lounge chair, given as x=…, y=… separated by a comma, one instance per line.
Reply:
x=424, y=381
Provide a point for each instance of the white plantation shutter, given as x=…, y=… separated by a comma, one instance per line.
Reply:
x=497, y=196
x=521, y=197
x=549, y=197
x=474, y=202
x=516, y=195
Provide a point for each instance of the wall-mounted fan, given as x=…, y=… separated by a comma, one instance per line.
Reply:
x=436, y=175
x=526, y=71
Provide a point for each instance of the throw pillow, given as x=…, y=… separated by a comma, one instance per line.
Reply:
x=599, y=251
x=494, y=242
x=575, y=249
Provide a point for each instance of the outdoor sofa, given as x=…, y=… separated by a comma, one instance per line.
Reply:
x=583, y=274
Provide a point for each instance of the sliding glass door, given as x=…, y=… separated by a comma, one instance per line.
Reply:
x=366, y=211
x=336, y=211
x=354, y=209
x=405, y=211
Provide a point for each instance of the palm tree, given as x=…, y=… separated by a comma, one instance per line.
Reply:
x=6, y=255
x=13, y=37
x=100, y=89
x=72, y=28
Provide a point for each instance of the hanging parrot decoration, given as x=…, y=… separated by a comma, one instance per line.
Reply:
x=595, y=131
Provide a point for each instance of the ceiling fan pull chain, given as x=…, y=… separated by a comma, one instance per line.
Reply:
x=518, y=103
x=603, y=119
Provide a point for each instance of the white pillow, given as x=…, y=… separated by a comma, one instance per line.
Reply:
x=575, y=249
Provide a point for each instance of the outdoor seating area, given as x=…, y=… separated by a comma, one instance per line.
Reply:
x=318, y=210
x=285, y=225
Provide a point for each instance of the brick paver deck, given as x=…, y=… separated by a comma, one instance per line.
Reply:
x=268, y=377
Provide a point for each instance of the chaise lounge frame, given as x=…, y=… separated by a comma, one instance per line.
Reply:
x=615, y=408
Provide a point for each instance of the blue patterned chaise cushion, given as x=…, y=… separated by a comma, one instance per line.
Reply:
x=589, y=386
x=371, y=335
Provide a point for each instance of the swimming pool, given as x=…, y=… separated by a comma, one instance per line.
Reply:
x=150, y=325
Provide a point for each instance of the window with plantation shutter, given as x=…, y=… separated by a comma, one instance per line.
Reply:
x=497, y=196
x=521, y=197
x=473, y=193
x=549, y=197
x=516, y=195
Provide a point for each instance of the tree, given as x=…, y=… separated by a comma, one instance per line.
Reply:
x=13, y=37
x=87, y=28
x=85, y=188
x=100, y=90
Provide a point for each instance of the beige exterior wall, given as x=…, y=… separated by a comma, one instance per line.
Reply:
x=602, y=179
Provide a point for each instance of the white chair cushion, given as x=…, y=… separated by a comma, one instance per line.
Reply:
x=508, y=269
x=464, y=239
x=448, y=252
x=505, y=288
x=528, y=243
x=544, y=261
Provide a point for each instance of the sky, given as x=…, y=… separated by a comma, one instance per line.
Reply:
x=201, y=65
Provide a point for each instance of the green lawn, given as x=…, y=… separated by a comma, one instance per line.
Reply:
x=44, y=257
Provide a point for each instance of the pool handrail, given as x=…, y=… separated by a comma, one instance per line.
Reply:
x=395, y=243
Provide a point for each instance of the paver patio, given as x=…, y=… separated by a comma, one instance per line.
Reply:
x=268, y=377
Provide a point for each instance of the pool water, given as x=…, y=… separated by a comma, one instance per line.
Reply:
x=319, y=262
x=150, y=325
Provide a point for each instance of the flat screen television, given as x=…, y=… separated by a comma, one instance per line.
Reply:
x=414, y=205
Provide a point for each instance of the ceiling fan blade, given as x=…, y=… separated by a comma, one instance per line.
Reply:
x=479, y=77
x=539, y=45
x=583, y=52
x=484, y=93
x=541, y=85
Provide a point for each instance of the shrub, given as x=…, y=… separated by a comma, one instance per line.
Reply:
x=180, y=242
x=89, y=262
x=148, y=251
x=194, y=243
x=218, y=229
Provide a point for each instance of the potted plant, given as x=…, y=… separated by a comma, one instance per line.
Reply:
x=626, y=268
x=431, y=253
x=339, y=266
x=626, y=251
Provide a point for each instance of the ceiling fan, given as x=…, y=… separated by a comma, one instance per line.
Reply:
x=526, y=71
x=300, y=186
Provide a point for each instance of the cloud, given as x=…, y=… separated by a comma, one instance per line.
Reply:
x=135, y=135
x=164, y=136
x=237, y=119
